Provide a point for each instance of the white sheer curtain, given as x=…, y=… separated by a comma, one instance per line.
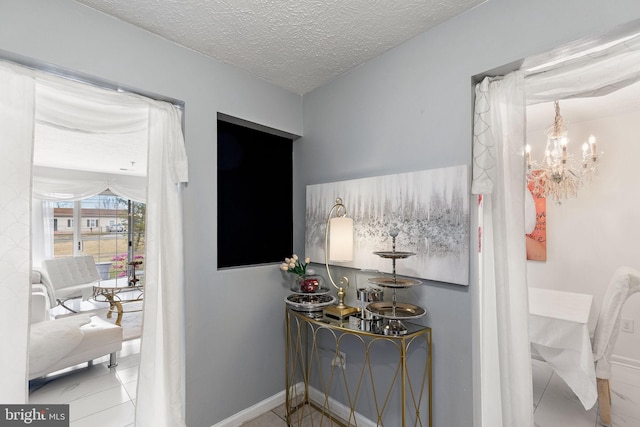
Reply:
x=84, y=111
x=68, y=185
x=41, y=231
x=16, y=137
x=589, y=67
x=505, y=369
x=161, y=387
x=87, y=140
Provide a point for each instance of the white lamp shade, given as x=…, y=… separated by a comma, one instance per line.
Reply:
x=341, y=239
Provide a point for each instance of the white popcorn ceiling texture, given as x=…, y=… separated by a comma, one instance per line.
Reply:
x=295, y=44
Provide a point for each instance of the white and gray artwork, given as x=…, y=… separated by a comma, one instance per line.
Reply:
x=430, y=208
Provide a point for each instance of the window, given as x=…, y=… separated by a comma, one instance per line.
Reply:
x=255, y=213
x=105, y=232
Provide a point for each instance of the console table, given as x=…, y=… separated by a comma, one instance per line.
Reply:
x=386, y=379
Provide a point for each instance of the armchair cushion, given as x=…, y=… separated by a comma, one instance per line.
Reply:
x=68, y=341
x=62, y=343
x=36, y=277
x=40, y=304
x=51, y=340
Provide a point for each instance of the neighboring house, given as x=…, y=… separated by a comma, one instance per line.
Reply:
x=103, y=220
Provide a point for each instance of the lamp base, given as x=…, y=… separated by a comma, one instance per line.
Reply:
x=339, y=312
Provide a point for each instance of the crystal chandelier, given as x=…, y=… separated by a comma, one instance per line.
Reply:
x=560, y=176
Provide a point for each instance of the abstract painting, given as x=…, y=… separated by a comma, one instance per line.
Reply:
x=429, y=208
x=536, y=241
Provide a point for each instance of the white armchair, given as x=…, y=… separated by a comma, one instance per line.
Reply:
x=67, y=278
x=40, y=302
x=624, y=283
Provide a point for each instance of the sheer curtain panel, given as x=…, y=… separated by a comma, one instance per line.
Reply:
x=499, y=177
x=16, y=144
x=77, y=134
x=586, y=69
x=161, y=388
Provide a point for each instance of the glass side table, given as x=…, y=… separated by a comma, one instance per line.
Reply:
x=117, y=292
x=356, y=377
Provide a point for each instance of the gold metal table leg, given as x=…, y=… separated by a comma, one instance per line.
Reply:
x=113, y=302
x=307, y=337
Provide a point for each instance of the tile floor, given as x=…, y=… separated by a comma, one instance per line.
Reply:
x=97, y=396
x=100, y=397
x=305, y=417
x=555, y=405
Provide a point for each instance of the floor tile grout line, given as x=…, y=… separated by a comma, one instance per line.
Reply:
x=96, y=392
x=103, y=410
x=596, y=421
x=544, y=390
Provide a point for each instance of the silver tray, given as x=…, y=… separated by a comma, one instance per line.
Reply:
x=309, y=302
x=398, y=282
x=403, y=310
x=320, y=291
x=394, y=255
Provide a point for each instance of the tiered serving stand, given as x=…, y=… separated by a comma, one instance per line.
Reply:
x=309, y=303
x=393, y=311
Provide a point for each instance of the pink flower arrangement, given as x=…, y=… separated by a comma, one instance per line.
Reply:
x=120, y=264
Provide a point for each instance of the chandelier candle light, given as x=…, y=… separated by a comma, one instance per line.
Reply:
x=560, y=176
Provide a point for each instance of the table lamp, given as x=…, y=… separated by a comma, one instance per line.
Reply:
x=338, y=247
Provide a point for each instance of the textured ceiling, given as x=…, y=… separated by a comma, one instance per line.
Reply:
x=296, y=44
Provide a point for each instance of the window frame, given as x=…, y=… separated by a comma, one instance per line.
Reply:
x=237, y=247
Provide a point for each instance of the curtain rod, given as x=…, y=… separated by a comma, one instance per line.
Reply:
x=83, y=77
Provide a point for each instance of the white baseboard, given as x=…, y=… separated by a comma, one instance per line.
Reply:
x=625, y=361
x=337, y=408
x=254, y=411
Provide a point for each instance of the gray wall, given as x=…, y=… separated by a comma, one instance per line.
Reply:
x=411, y=109
x=235, y=319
